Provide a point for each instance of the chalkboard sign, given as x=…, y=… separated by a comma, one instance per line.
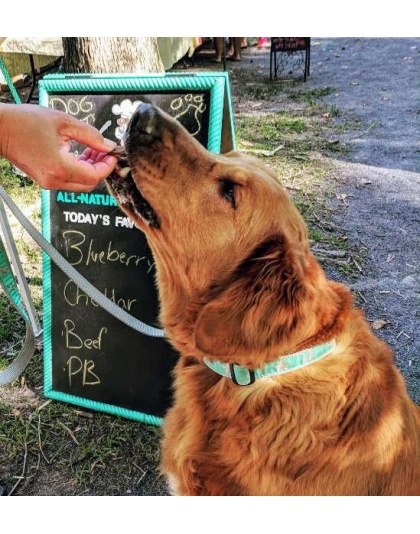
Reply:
x=90, y=358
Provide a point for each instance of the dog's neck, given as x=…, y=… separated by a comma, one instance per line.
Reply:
x=180, y=325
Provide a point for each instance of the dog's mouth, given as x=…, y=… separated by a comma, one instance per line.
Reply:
x=127, y=193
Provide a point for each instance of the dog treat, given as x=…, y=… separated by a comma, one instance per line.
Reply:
x=118, y=152
x=121, y=169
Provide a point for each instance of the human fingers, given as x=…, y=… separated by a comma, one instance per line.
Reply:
x=104, y=165
x=93, y=156
x=91, y=171
x=78, y=174
x=86, y=135
x=89, y=155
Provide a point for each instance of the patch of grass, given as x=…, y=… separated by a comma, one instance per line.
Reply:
x=354, y=123
x=21, y=189
x=12, y=326
x=80, y=445
x=300, y=136
x=334, y=111
x=311, y=96
x=262, y=90
x=316, y=235
x=268, y=130
x=283, y=123
x=27, y=249
x=6, y=172
x=259, y=88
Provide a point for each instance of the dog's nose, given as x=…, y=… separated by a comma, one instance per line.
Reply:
x=144, y=128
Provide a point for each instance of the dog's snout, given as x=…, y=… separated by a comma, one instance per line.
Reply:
x=144, y=128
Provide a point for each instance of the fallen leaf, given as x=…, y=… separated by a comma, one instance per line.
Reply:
x=333, y=141
x=354, y=83
x=341, y=196
x=377, y=325
x=385, y=98
x=15, y=412
x=390, y=257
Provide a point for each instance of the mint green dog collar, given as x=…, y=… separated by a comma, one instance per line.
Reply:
x=243, y=376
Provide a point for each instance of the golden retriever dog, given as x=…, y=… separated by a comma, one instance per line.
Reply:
x=281, y=387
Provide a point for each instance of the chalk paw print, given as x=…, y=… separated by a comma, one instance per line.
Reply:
x=125, y=109
x=189, y=105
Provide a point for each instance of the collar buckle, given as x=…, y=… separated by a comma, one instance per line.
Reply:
x=239, y=379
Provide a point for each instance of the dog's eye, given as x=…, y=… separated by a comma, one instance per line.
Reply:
x=227, y=191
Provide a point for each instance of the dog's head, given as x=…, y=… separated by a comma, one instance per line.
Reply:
x=231, y=250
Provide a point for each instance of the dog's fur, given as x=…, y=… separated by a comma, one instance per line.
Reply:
x=238, y=283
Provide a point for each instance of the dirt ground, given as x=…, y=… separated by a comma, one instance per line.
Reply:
x=378, y=184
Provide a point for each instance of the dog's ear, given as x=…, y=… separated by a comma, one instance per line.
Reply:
x=258, y=307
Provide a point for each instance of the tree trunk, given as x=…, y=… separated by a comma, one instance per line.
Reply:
x=111, y=55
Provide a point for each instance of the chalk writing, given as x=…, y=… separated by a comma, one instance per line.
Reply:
x=79, y=107
x=84, y=367
x=190, y=103
x=105, y=127
x=125, y=109
x=74, y=296
x=74, y=341
x=81, y=251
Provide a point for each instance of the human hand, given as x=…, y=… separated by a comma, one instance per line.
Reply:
x=37, y=140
